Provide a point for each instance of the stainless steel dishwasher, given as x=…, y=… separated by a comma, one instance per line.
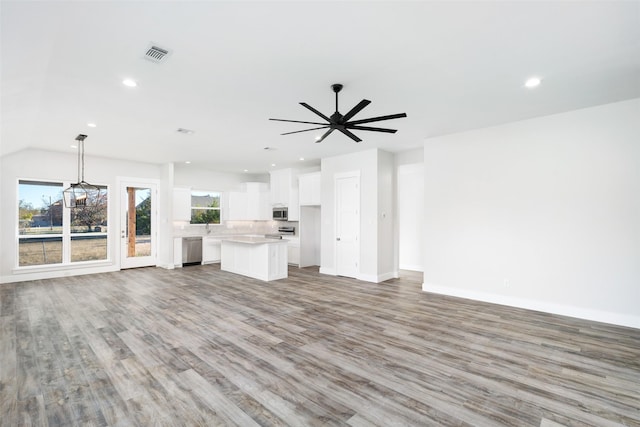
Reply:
x=191, y=251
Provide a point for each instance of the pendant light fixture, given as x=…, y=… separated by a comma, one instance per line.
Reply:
x=81, y=194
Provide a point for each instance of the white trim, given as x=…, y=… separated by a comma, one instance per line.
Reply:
x=168, y=266
x=154, y=185
x=377, y=278
x=628, y=320
x=328, y=271
x=66, y=237
x=411, y=267
x=63, y=271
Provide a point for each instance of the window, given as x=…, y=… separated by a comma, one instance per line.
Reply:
x=205, y=207
x=40, y=211
x=50, y=234
x=88, y=228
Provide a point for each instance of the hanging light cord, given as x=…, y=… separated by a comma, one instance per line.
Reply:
x=80, y=138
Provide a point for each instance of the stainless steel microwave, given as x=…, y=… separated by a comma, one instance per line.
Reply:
x=280, y=214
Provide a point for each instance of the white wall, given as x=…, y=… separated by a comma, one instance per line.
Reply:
x=203, y=179
x=371, y=164
x=542, y=214
x=47, y=165
x=410, y=214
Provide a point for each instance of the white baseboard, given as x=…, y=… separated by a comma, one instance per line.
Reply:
x=365, y=277
x=411, y=267
x=56, y=272
x=379, y=277
x=328, y=271
x=563, y=310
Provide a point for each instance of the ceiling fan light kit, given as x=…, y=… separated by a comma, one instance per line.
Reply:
x=343, y=123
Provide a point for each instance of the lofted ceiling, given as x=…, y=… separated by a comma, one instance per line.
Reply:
x=451, y=66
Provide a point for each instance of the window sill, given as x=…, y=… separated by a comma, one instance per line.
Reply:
x=60, y=267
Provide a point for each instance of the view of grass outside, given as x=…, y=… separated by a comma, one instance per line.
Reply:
x=40, y=251
x=143, y=245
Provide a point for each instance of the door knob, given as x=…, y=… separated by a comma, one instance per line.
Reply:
x=338, y=239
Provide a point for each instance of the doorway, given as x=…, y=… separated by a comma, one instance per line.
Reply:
x=347, y=224
x=138, y=237
x=410, y=199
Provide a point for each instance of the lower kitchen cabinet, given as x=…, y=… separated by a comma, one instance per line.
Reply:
x=211, y=250
x=293, y=251
x=177, y=252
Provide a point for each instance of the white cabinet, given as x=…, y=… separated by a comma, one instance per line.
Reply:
x=309, y=189
x=293, y=250
x=284, y=191
x=250, y=204
x=258, y=206
x=181, y=204
x=177, y=252
x=237, y=206
x=280, y=187
x=263, y=261
x=211, y=249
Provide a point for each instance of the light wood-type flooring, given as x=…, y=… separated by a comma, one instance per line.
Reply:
x=198, y=346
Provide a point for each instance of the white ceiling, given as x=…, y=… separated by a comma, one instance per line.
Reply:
x=451, y=66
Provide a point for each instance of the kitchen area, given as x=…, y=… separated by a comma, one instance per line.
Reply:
x=282, y=215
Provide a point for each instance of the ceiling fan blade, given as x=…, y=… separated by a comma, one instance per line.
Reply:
x=298, y=121
x=356, y=127
x=377, y=119
x=309, y=107
x=326, y=134
x=349, y=134
x=305, y=130
x=355, y=110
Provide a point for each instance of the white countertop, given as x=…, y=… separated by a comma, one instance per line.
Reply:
x=251, y=240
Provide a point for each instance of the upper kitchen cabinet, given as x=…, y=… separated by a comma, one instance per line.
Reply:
x=250, y=204
x=309, y=185
x=284, y=191
x=181, y=204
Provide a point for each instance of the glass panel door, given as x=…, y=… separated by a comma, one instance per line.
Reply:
x=137, y=232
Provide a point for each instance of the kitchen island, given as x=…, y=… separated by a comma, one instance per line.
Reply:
x=257, y=257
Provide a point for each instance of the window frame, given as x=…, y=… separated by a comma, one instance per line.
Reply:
x=205, y=208
x=66, y=235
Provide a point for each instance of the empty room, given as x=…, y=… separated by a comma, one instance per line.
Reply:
x=320, y=213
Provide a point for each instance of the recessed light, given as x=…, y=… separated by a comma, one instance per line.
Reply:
x=73, y=146
x=301, y=159
x=129, y=82
x=91, y=125
x=246, y=170
x=188, y=162
x=273, y=164
x=533, y=82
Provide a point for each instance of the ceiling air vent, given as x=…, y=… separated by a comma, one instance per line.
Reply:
x=155, y=54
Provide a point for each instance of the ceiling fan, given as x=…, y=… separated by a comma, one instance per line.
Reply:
x=343, y=123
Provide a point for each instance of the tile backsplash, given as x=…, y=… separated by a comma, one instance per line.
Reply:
x=181, y=228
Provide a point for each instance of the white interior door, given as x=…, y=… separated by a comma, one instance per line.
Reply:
x=138, y=224
x=347, y=226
